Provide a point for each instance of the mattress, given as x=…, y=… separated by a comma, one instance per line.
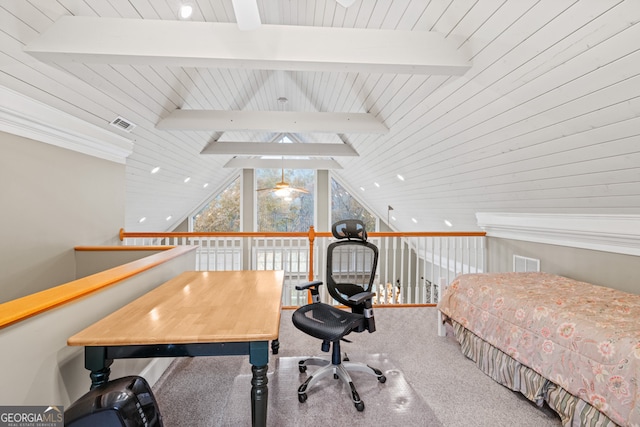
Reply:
x=582, y=337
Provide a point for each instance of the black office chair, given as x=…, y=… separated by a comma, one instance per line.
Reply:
x=351, y=269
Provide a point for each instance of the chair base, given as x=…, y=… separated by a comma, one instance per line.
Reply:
x=339, y=371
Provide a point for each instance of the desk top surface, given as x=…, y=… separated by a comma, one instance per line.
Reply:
x=195, y=307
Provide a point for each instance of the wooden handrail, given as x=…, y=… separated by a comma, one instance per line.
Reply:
x=153, y=234
x=121, y=248
x=309, y=234
x=22, y=308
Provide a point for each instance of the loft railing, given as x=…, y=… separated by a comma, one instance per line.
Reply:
x=411, y=266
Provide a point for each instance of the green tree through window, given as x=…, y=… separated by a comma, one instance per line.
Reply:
x=222, y=213
x=345, y=206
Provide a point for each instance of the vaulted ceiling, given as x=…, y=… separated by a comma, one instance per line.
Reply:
x=480, y=105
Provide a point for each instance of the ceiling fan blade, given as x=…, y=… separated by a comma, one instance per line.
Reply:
x=299, y=190
x=247, y=14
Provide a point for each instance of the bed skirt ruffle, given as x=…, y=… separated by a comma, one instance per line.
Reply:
x=502, y=368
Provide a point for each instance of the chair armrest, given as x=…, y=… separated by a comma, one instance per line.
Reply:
x=361, y=297
x=308, y=285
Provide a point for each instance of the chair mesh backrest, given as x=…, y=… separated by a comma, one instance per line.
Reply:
x=351, y=263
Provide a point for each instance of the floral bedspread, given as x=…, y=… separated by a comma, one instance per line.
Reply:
x=584, y=338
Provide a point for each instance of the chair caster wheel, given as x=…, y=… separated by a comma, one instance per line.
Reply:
x=382, y=379
x=302, y=397
x=335, y=376
x=359, y=406
x=302, y=369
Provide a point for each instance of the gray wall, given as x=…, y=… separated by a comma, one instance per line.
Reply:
x=37, y=366
x=600, y=268
x=52, y=200
x=95, y=261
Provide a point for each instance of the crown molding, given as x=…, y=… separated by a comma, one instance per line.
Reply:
x=608, y=233
x=26, y=117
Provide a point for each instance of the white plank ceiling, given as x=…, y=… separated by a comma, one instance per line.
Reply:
x=545, y=120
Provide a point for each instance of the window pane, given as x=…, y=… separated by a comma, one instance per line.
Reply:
x=345, y=206
x=285, y=212
x=222, y=213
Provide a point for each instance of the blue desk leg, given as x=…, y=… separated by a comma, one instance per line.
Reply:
x=259, y=357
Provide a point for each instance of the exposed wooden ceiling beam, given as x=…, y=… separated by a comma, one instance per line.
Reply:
x=276, y=149
x=258, y=163
x=222, y=45
x=272, y=121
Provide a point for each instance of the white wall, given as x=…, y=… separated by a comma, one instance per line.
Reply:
x=52, y=200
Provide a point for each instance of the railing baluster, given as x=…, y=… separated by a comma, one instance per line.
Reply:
x=437, y=256
x=416, y=298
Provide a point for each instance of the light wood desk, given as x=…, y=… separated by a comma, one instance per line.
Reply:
x=198, y=313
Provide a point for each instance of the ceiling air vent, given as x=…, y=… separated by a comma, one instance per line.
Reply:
x=123, y=124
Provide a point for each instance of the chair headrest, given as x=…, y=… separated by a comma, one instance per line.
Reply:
x=349, y=229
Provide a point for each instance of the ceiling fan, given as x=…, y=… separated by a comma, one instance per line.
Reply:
x=283, y=188
x=248, y=16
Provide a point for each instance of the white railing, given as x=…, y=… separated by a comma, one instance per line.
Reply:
x=410, y=265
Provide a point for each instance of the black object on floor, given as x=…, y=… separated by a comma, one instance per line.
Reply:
x=124, y=402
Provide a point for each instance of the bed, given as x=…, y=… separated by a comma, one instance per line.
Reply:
x=573, y=345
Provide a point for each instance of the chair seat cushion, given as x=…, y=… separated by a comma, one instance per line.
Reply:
x=326, y=322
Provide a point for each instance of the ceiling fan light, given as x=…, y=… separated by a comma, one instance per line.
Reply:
x=283, y=192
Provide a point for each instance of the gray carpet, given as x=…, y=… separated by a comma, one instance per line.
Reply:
x=430, y=384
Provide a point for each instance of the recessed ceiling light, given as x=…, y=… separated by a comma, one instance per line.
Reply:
x=400, y=177
x=185, y=11
x=393, y=218
x=169, y=217
x=448, y=223
x=376, y=184
x=362, y=188
x=187, y=179
x=143, y=219
x=155, y=170
x=206, y=184
x=414, y=220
